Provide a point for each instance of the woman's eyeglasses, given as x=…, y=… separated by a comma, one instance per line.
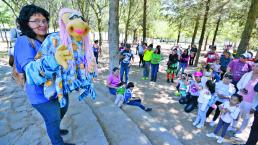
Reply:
x=38, y=22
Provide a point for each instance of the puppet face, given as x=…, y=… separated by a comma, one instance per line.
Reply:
x=75, y=25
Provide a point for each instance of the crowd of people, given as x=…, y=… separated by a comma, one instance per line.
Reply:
x=222, y=83
x=225, y=84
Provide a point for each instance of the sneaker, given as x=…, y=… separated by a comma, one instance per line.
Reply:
x=146, y=78
x=63, y=132
x=172, y=81
x=195, y=123
x=212, y=135
x=148, y=109
x=232, y=129
x=238, y=135
x=143, y=78
x=199, y=126
x=220, y=140
x=212, y=123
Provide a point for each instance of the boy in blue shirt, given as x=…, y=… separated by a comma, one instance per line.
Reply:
x=130, y=100
x=127, y=59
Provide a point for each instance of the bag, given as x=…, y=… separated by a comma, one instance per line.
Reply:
x=11, y=60
x=20, y=78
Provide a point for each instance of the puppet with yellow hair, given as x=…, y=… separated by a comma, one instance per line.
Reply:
x=65, y=61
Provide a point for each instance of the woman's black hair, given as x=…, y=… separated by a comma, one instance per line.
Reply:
x=239, y=97
x=130, y=85
x=24, y=17
x=211, y=86
x=158, y=48
x=96, y=41
x=114, y=69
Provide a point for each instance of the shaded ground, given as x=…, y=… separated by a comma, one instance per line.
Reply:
x=166, y=109
x=19, y=123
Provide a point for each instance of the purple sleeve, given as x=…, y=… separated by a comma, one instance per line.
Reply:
x=23, y=53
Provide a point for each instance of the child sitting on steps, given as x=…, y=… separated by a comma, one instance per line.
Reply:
x=134, y=101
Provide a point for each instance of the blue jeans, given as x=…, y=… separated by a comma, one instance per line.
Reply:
x=146, y=70
x=96, y=54
x=112, y=91
x=154, y=71
x=124, y=69
x=136, y=103
x=182, y=66
x=222, y=125
x=52, y=115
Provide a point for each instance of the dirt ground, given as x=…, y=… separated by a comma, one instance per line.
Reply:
x=166, y=109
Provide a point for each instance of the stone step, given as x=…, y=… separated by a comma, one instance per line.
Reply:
x=118, y=128
x=21, y=124
x=156, y=133
x=82, y=123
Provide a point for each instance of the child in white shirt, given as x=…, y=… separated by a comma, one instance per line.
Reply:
x=230, y=111
x=203, y=99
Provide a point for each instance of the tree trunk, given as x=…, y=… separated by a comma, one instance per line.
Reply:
x=249, y=25
x=128, y=20
x=99, y=30
x=203, y=31
x=113, y=33
x=256, y=56
x=144, y=20
x=134, y=35
x=216, y=31
x=178, y=36
x=195, y=29
x=206, y=41
x=2, y=36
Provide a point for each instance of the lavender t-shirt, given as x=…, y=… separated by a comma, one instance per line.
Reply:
x=113, y=80
x=238, y=69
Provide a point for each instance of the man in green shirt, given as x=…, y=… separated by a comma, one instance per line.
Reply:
x=147, y=61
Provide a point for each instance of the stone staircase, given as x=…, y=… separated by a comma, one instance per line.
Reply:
x=89, y=122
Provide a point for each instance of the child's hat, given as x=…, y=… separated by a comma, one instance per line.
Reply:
x=198, y=74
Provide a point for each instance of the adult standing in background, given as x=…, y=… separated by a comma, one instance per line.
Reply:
x=127, y=58
x=193, y=52
x=141, y=49
x=147, y=61
x=96, y=50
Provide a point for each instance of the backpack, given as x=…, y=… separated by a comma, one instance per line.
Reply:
x=20, y=78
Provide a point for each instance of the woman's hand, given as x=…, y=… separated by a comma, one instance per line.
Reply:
x=62, y=55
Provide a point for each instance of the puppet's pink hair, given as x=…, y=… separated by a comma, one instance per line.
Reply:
x=67, y=41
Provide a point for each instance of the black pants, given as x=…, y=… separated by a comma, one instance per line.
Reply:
x=191, y=60
x=96, y=54
x=191, y=103
x=216, y=113
x=253, y=136
x=141, y=59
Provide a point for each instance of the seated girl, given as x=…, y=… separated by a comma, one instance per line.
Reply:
x=194, y=91
x=134, y=101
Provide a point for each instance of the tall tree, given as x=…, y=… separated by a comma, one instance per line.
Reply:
x=113, y=33
x=144, y=23
x=196, y=26
x=216, y=30
x=98, y=7
x=203, y=31
x=249, y=25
